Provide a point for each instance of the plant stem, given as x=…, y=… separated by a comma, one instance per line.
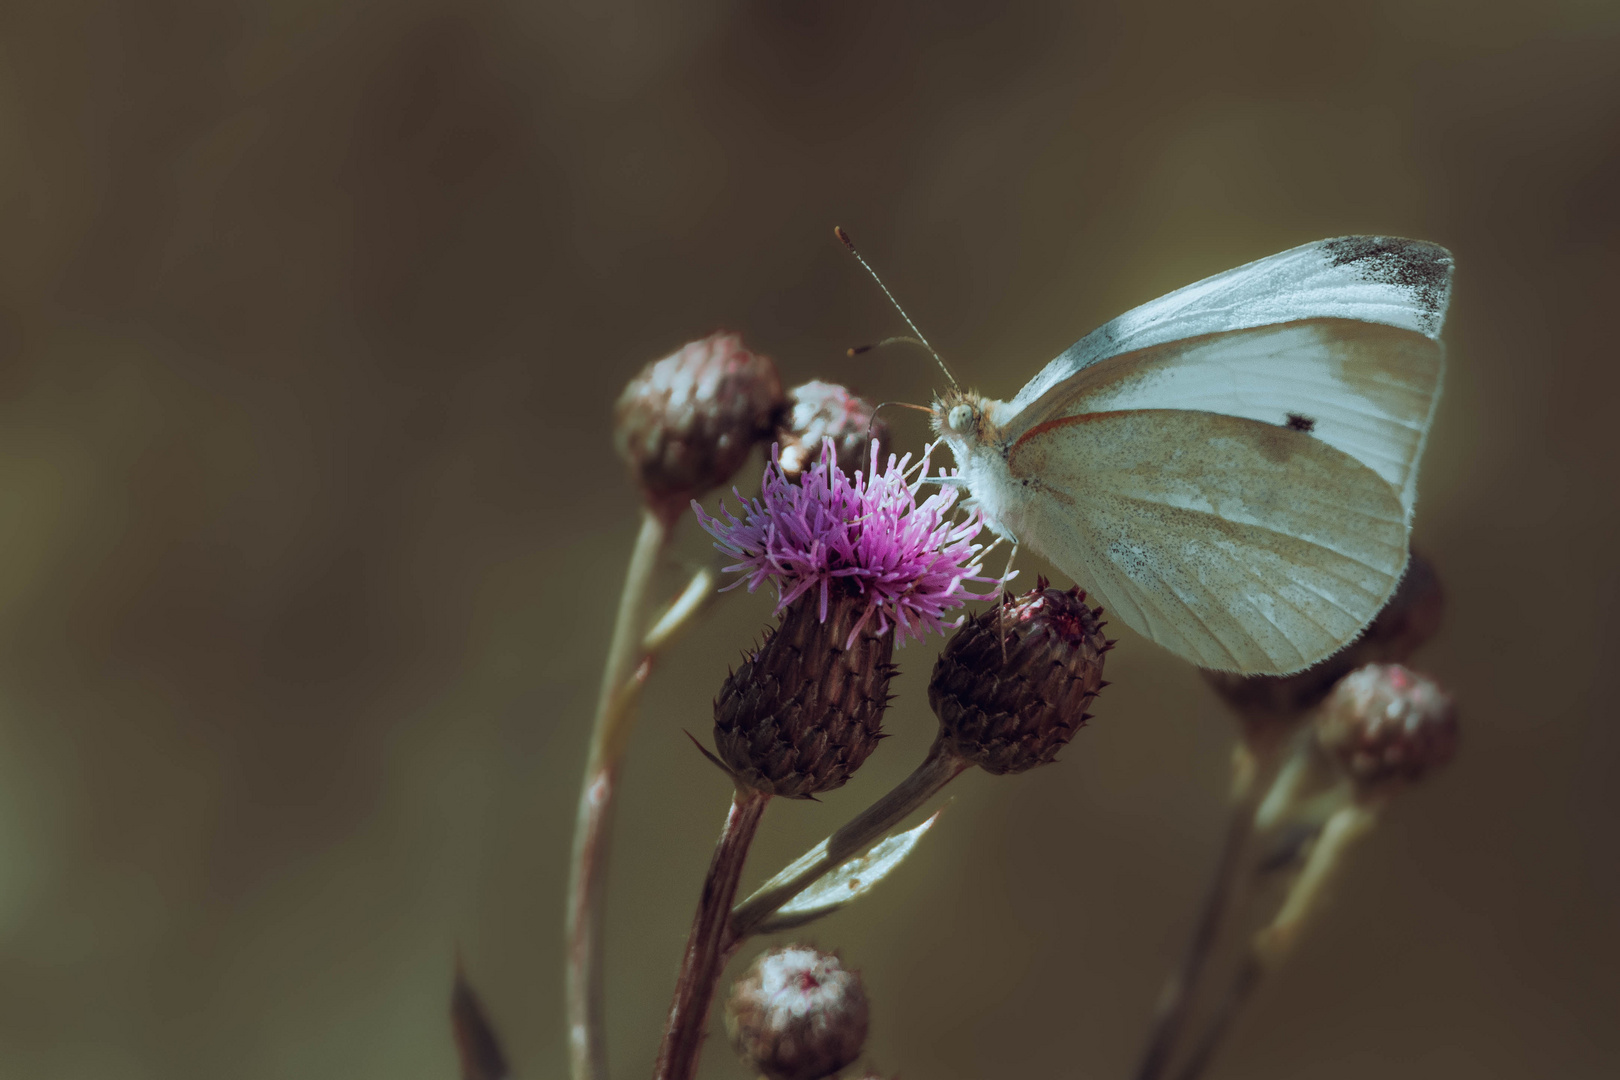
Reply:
x=1243, y=986
x=1285, y=792
x=699, y=593
x=622, y=678
x=1273, y=944
x=705, y=947
x=1347, y=825
x=1180, y=990
x=853, y=840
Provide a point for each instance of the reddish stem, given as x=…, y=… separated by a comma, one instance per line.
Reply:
x=585, y=908
x=705, y=956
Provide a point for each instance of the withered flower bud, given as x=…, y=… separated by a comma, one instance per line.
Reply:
x=1270, y=705
x=805, y=709
x=1385, y=723
x=687, y=422
x=797, y=1014
x=1013, y=684
x=821, y=410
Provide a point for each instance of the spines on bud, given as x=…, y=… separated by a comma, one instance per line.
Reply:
x=1385, y=724
x=1013, y=684
x=804, y=711
x=821, y=410
x=687, y=422
x=797, y=1014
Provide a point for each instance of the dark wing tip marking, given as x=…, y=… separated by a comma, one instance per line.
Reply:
x=1299, y=422
x=1421, y=267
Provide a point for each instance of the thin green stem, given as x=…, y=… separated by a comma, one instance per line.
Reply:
x=853, y=840
x=1347, y=825
x=1285, y=792
x=697, y=595
x=1248, y=978
x=622, y=678
x=1175, y=1006
x=1272, y=944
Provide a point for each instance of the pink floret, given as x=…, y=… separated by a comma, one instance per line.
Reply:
x=910, y=563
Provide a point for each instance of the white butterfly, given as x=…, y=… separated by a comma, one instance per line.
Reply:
x=1231, y=468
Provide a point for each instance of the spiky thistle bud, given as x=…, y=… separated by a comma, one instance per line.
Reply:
x=1013, y=684
x=1385, y=723
x=806, y=708
x=797, y=1014
x=1270, y=705
x=687, y=422
x=821, y=410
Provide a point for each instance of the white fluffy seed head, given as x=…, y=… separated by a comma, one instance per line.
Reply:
x=797, y=1014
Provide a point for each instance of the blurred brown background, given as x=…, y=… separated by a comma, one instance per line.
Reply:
x=311, y=315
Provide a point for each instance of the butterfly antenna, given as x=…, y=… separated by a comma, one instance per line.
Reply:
x=872, y=422
x=843, y=237
x=900, y=339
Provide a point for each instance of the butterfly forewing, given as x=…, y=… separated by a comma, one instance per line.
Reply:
x=1363, y=388
x=1376, y=279
x=1240, y=545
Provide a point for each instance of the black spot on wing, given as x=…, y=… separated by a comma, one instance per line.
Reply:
x=1299, y=422
x=1419, y=267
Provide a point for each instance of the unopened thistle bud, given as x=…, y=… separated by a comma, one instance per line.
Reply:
x=1013, y=684
x=1385, y=723
x=805, y=710
x=1270, y=705
x=797, y=1014
x=687, y=422
x=821, y=410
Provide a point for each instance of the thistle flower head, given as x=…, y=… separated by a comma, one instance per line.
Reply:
x=1386, y=723
x=685, y=424
x=1012, y=686
x=805, y=709
x=906, y=560
x=818, y=411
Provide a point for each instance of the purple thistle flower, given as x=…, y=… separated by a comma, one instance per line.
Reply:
x=908, y=561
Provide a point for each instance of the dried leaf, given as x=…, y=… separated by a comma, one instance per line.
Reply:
x=476, y=1044
x=842, y=885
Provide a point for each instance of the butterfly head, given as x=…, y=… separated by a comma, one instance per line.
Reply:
x=963, y=419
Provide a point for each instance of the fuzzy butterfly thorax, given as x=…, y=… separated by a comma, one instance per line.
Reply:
x=970, y=424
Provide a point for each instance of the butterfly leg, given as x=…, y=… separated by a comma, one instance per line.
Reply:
x=1006, y=575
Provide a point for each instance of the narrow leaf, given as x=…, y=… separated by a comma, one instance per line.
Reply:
x=476, y=1044
x=840, y=886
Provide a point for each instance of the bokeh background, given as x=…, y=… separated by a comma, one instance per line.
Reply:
x=311, y=316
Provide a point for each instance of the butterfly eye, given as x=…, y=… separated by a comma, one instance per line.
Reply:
x=960, y=417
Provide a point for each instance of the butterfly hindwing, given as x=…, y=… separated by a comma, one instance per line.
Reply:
x=1240, y=545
